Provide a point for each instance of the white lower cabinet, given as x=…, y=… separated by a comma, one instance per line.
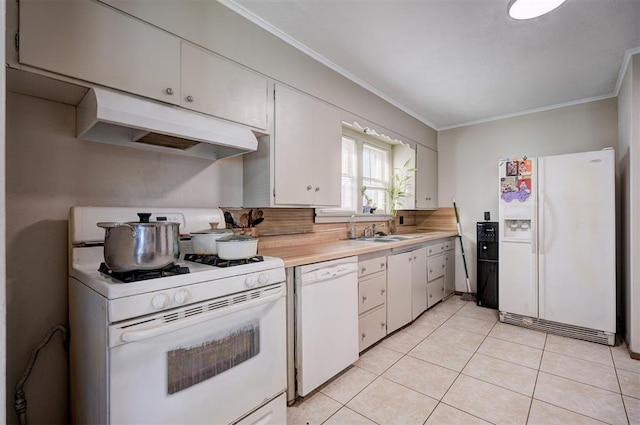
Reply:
x=435, y=273
x=372, y=299
x=399, y=290
x=449, y=267
x=373, y=327
x=418, y=282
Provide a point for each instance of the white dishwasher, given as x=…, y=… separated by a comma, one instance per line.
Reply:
x=326, y=321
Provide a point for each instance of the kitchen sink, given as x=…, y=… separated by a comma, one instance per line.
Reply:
x=387, y=238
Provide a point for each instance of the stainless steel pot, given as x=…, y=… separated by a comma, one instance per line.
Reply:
x=142, y=245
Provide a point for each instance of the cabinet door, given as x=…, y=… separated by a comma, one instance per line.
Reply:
x=435, y=267
x=449, y=273
x=399, y=275
x=426, y=178
x=372, y=292
x=419, y=282
x=372, y=327
x=293, y=153
x=95, y=43
x=215, y=86
x=406, y=154
x=435, y=290
x=326, y=139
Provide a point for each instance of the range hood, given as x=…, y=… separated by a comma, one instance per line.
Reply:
x=118, y=118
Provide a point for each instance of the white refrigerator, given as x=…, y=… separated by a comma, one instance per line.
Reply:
x=557, y=262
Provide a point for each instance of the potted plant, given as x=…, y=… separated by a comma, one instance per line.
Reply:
x=398, y=190
x=367, y=202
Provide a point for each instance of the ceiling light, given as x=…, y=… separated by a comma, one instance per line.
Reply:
x=527, y=9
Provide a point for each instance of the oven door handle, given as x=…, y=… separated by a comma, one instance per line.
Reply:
x=132, y=336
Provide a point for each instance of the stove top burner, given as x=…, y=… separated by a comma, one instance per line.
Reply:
x=214, y=260
x=137, y=275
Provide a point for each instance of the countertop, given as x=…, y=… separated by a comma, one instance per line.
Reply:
x=296, y=255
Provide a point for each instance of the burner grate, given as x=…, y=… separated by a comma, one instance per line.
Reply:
x=214, y=260
x=137, y=275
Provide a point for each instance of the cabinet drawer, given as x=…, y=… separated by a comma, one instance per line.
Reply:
x=372, y=292
x=373, y=327
x=435, y=291
x=371, y=266
x=435, y=267
x=435, y=249
x=449, y=245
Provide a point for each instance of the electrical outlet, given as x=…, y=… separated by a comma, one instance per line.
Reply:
x=401, y=219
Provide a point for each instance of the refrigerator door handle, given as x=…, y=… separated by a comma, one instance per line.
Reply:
x=540, y=229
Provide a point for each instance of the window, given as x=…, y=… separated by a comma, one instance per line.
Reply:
x=375, y=176
x=365, y=163
x=349, y=174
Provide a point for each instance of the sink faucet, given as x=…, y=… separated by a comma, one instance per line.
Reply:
x=373, y=229
x=367, y=232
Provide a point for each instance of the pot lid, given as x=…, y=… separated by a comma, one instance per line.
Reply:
x=214, y=229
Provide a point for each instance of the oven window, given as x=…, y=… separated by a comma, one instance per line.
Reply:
x=191, y=365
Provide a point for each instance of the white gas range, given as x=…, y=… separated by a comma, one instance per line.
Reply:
x=207, y=346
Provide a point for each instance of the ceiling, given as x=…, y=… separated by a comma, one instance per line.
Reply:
x=456, y=62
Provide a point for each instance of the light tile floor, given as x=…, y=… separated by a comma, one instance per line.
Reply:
x=457, y=364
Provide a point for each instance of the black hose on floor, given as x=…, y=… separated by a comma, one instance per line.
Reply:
x=19, y=397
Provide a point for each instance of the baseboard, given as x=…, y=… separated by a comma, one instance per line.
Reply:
x=561, y=329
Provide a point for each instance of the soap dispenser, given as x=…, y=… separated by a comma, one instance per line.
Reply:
x=352, y=227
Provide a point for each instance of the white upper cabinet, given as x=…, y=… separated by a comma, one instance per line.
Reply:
x=426, y=178
x=95, y=43
x=92, y=42
x=404, y=154
x=215, y=86
x=307, y=162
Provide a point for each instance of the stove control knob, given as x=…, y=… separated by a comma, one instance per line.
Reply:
x=180, y=297
x=263, y=278
x=250, y=281
x=160, y=301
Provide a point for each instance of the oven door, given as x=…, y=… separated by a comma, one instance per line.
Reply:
x=211, y=362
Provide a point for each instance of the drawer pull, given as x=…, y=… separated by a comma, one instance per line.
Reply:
x=382, y=325
x=364, y=269
x=382, y=291
x=364, y=298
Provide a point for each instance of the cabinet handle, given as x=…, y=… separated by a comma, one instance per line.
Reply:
x=381, y=265
x=169, y=91
x=189, y=98
x=410, y=258
x=382, y=291
x=317, y=189
x=382, y=325
x=364, y=298
x=430, y=295
x=364, y=269
x=430, y=270
x=364, y=335
x=443, y=266
x=415, y=258
x=309, y=188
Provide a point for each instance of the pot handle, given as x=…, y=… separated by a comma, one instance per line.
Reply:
x=110, y=225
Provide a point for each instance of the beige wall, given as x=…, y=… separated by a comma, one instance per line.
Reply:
x=468, y=158
x=48, y=171
x=628, y=156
